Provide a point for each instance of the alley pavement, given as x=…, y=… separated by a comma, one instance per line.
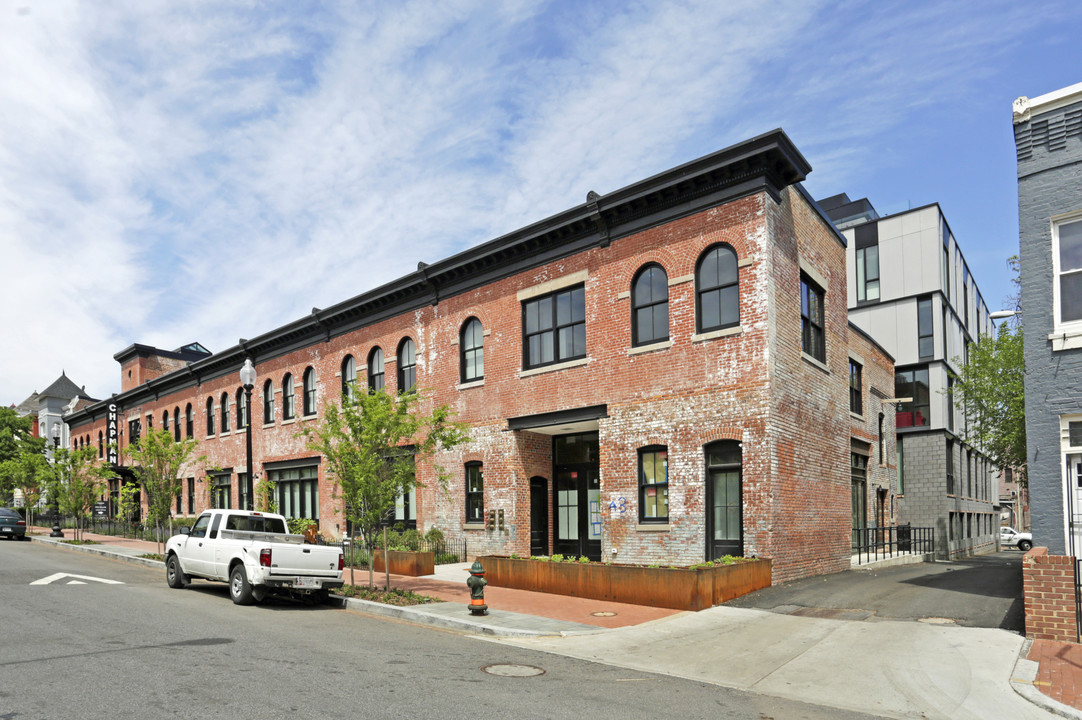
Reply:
x=891, y=668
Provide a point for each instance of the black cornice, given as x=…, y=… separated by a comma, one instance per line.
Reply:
x=767, y=163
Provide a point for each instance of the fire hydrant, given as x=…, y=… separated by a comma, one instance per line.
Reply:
x=476, y=583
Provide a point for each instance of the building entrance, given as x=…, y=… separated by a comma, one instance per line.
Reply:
x=577, y=495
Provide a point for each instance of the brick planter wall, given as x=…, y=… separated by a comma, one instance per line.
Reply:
x=1048, y=583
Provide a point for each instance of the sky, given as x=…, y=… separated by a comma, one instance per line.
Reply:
x=174, y=172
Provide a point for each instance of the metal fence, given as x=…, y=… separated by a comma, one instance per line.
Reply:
x=879, y=543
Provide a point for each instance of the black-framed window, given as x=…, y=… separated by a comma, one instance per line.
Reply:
x=309, y=385
x=101, y=444
x=298, y=491
x=165, y=421
x=925, y=331
x=191, y=496
x=245, y=496
x=210, y=416
x=866, y=244
x=221, y=489
x=406, y=366
x=349, y=376
x=242, y=409
x=376, y=379
x=812, y=319
x=189, y=421
x=717, y=289
x=268, y=402
x=224, y=412
x=856, y=388
x=472, y=351
x=135, y=428
x=912, y=383
x=288, y=407
x=654, y=484
x=176, y=424
x=475, y=492
x=950, y=466
x=554, y=328
x=650, y=306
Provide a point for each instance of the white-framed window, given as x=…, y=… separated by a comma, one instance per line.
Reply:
x=1071, y=466
x=1067, y=271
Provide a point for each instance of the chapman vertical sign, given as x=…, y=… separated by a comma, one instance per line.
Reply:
x=111, y=429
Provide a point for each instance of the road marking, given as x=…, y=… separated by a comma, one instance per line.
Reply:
x=76, y=581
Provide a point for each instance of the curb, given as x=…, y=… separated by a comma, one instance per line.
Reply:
x=409, y=614
x=1022, y=682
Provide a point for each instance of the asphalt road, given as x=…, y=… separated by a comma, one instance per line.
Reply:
x=984, y=591
x=77, y=647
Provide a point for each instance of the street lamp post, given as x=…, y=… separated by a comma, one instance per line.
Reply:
x=57, y=532
x=247, y=379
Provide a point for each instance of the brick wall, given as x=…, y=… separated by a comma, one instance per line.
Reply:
x=1048, y=582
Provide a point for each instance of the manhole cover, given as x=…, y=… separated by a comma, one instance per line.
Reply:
x=513, y=670
x=603, y=613
x=936, y=621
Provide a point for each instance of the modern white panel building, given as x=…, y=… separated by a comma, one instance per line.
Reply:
x=911, y=290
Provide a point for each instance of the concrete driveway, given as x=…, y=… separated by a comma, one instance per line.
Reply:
x=984, y=591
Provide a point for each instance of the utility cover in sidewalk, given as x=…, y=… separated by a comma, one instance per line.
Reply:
x=76, y=580
x=513, y=670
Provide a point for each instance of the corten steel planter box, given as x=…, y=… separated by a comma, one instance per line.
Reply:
x=404, y=562
x=675, y=588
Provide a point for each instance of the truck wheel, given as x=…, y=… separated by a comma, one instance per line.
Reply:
x=1024, y=545
x=174, y=576
x=239, y=589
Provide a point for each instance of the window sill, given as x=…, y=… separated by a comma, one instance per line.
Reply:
x=816, y=363
x=227, y=433
x=714, y=334
x=1068, y=339
x=652, y=347
x=268, y=425
x=212, y=436
x=470, y=384
x=290, y=421
x=652, y=527
x=308, y=418
x=554, y=368
x=473, y=526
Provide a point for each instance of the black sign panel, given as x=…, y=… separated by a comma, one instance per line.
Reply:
x=111, y=429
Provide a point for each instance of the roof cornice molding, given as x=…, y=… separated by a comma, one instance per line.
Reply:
x=767, y=163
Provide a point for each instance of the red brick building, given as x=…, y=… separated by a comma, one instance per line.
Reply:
x=659, y=375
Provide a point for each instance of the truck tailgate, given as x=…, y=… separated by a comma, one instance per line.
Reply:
x=312, y=560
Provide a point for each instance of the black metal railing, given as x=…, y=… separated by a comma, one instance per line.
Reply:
x=879, y=543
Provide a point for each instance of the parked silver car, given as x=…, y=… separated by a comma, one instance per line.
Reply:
x=1009, y=537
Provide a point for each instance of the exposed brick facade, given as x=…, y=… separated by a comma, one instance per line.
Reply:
x=1048, y=585
x=751, y=384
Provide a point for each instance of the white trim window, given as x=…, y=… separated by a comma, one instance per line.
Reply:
x=1067, y=271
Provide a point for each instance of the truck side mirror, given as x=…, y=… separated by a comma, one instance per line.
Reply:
x=185, y=530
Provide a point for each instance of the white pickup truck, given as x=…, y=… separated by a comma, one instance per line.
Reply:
x=254, y=553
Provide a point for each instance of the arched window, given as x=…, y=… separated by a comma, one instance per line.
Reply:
x=650, y=306
x=717, y=291
x=225, y=412
x=101, y=444
x=349, y=376
x=176, y=424
x=725, y=502
x=407, y=366
x=309, y=385
x=165, y=421
x=268, y=402
x=242, y=410
x=210, y=416
x=189, y=421
x=375, y=369
x=472, y=350
x=287, y=397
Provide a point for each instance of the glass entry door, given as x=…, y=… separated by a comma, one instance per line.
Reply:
x=724, y=495
x=577, y=495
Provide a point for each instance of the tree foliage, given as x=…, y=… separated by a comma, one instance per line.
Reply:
x=156, y=460
x=991, y=390
x=17, y=445
x=372, y=444
x=75, y=483
x=29, y=474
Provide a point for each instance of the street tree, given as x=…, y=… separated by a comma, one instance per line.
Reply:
x=75, y=483
x=991, y=390
x=156, y=459
x=28, y=473
x=16, y=441
x=372, y=444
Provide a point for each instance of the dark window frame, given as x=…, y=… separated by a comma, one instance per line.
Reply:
x=657, y=486
x=189, y=421
x=210, y=416
x=406, y=367
x=856, y=387
x=475, y=494
x=471, y=343
x=645, y=283
x=268, y=402
x=376, y=380
x=308, y=385
x=546, y=323
x=349, y=376
x=812, y=319
x=289, y=407
x=223, y=411
x=719, y=285
x=925, y=328
x=905, y=385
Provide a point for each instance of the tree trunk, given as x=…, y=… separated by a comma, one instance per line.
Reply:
x=386, y=561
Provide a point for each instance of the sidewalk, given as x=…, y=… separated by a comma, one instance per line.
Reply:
x=951, y=671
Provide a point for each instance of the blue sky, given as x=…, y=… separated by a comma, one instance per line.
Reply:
x=205, y=171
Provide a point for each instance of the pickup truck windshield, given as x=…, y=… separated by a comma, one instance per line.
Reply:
x=255, y=524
